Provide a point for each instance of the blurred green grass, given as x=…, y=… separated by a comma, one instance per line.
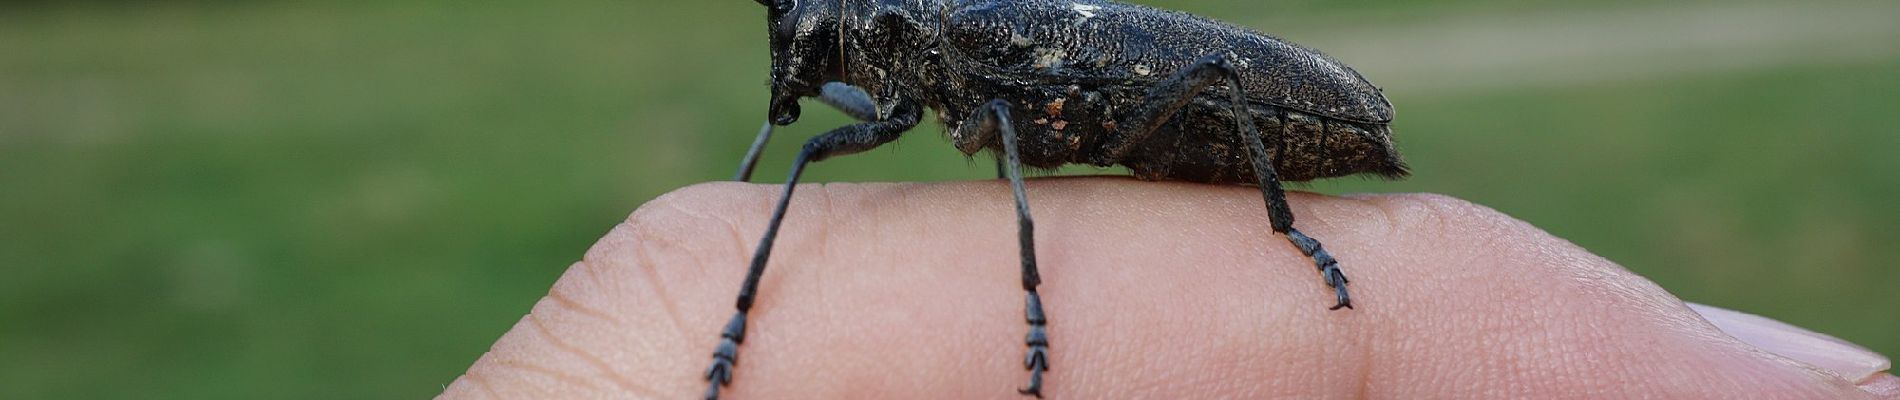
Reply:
x=352, y=200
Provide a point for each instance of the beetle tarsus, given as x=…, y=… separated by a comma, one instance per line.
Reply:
x=1035, y=384
x=726, y=356
x=1328, y=266
x=1037, y=359
x=1337, y=280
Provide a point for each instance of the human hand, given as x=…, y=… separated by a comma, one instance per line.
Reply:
x=1153, y=290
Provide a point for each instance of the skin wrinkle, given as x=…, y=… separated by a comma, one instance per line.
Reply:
x=824, y=229
x=1622, y=294
x=1420, y=222
x=1362, y=342
x=1429, y=222
x=481, y=382
x=530, y=367
x=562, y=300
x=601, y=367
x=739, y=243
x=822, y=218
x=1381, y=226
x=1365, y=338
x=792, y=243
x=1536, y=350
x=597, y=274
x=650, y=271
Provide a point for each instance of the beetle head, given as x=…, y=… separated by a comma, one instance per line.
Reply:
x=804, y=52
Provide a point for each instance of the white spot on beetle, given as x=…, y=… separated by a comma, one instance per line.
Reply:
x=1019, y=40
x=1087, y=11
x=1142, y=70
x=1049, y=58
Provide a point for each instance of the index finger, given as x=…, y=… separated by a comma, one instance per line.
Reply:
x=1152, y=290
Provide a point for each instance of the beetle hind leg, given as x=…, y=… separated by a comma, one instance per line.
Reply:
x=1168, y=97
x=1279, y=214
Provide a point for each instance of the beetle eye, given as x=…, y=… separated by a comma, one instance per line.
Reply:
x=786, y=22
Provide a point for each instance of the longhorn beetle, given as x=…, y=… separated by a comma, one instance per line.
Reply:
x=1051, y=82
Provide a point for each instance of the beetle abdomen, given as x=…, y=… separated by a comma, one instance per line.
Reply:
x=1201, y=145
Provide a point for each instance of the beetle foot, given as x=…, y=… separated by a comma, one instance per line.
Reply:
x=1035, y=384
x=1337, y=280
x=1328, y=267
x=1036, y=362
x=726, y=357
x=1037, y=359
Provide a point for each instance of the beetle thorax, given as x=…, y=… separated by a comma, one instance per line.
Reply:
x=887, y=47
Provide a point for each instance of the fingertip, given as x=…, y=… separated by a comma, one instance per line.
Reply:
x=1846, y=360
x=1882, y=386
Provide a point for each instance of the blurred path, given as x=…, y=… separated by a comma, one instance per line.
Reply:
x=1494, y=50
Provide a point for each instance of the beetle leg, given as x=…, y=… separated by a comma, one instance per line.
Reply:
x=1164, y=100
x=1168, y=97
x=846, y=140
x=1278, y=213
x=985, y=124
x=752, y=155
x=846, y=98
x=849, y=99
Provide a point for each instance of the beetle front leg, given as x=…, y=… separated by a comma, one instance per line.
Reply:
x=846, y=98
x=846, y=140
x=984, y=125
x=1167, y=98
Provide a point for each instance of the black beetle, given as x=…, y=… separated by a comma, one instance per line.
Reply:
x=1053, y=82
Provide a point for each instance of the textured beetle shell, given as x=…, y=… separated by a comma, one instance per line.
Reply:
x=1070, y=67
x=1108, y=42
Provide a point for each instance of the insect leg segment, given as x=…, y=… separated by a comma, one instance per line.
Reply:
x=985, y=124
x=1163, y=101
x=971, y=138
x=1279, y=214
x=850, y=100
x=752, y=155
x=1171, y=95
x=846, y=140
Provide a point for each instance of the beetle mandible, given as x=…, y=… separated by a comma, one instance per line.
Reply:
x=1045, y=83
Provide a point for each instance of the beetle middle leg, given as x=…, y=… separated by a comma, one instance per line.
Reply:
x=1168, y=97
x=846, y=140
x=984, y=125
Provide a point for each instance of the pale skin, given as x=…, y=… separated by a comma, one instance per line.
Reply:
x=1153, y=290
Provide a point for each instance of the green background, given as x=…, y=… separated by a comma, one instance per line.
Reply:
x=353, y=199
